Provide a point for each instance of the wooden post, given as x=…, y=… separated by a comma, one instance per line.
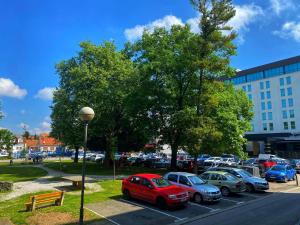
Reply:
x=61, y=201
x=33, y=203
x=297, y=181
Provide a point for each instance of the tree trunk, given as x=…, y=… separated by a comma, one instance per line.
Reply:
x=195, y=163
x=76, y=154
x=174, y=149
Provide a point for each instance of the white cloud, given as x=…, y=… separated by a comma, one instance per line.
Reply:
x=279, y=6
x=136, y=32
x=45, y=93
x=10, y=89
x=289, y=29
x=245, y=15
x=45, y=125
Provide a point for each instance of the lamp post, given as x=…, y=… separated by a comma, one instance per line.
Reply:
x=86, y=114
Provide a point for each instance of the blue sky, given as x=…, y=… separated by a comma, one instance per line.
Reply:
x=35, y=35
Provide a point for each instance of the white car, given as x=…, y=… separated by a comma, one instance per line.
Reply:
x=214, y=159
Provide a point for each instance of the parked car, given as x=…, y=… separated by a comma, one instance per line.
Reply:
x=252, y=183
x=185, y=165
x=162, y=163
x=203, y=157
x=281, y=173
x=295, y=163
x=213, y=159
x=251, y=162
x=225, y=181
x=198, y=189
x=228, y=162
x=265, y=164
x=155, y=189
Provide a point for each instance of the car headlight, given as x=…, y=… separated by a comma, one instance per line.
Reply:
x=172, y=196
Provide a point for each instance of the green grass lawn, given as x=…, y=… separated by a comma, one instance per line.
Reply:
x=19, y=173
x=14, y=209
x=97, y=169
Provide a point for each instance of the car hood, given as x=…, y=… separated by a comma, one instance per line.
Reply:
x=275, y=173
x=206, y=187
x=255, y=179
x=172, y=190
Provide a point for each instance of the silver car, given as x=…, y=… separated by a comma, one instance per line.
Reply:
x=252, y=183
x=198, y=189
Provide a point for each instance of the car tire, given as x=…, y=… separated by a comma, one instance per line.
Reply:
x=225, y=191
x=250, y=188
x=126, y=194
x=161, y=203
x=198, y=198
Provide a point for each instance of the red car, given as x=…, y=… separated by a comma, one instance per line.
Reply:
x=154, y=189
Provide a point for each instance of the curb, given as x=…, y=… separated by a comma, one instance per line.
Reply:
x=221, y=211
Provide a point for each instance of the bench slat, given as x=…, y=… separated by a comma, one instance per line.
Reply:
x=56, y=197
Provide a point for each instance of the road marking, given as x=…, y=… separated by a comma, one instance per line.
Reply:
x=155, y=210
x=195, y=204
x=237, y=202
x=250, y=195
x=114, y=222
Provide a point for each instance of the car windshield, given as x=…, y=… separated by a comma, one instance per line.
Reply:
x=244, y=173
x=277, y=168
x=196, y=180
x=231, y=177
x=161, y=182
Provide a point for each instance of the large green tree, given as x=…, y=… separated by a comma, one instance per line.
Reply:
x=100, y=77
x=165, y=60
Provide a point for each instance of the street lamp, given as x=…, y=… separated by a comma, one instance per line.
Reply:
x=86, y=114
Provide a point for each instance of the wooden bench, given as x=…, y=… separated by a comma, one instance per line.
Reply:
x=36, y=200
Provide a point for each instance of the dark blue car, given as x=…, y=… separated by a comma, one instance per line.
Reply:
x=281, y=173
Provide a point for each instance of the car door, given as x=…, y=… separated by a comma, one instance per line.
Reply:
x=147, y=190
x=214, y=179
x=186, y=184
x=135, y=187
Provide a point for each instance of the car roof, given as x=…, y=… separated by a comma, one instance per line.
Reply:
x=182, y=173
x=147, y=175
x=217, y=172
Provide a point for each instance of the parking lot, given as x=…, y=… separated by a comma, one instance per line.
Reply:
x=133, y=212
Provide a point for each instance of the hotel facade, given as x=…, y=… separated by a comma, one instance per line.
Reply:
x=274, y=89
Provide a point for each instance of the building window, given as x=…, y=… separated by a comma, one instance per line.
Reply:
x=268, y=94
x=285, y=125
x=284, y=114
x=263, y=106
x=249, y=87
x=265, y=127
x=270, y=116
x=289, y=91
x=264, y=116
x=274, y=72
x=292, y=113
x=271, y=126
x=267, y=84
x=291, y=102
x=244, y=88
x=269, y=105
x=281, y=81
x=262, y=95
x=288, y=80
x=255, y=76
x=293, y=125
x=250, y=96
x=292, y=68
x=283, y=103
x=282, y=92
x=238, y=80
x=261, y=84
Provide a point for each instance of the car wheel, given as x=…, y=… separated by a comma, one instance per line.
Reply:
x=126, y=194
x=161, y=202
x=225, y=191
x=198, y=198
x=250, y=188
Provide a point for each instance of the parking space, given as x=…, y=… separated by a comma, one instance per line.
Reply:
x=135, y=212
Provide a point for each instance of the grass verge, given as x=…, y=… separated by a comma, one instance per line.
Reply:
x=18, y=173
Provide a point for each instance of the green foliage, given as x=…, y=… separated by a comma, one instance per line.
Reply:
x=7, y=139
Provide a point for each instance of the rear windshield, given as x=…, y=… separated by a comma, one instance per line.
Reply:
x=161, y=182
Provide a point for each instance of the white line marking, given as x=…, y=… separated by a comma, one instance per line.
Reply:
x=237, y=202
x=114, y=222
x=250, y=195
x=195, y=204
x=155, y=210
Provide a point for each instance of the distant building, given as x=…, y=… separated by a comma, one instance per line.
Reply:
x=43, y=142
x=274, y=89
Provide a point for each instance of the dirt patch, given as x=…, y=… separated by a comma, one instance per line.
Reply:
x=5, y=221
x=52, y=218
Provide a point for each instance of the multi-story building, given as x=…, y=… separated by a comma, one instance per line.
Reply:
x=43, y=143
x=274, y=89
